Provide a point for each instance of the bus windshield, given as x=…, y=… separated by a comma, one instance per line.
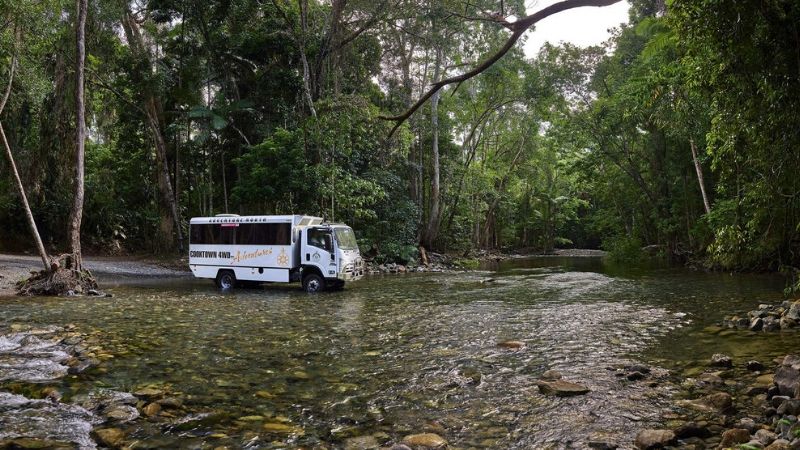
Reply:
x=346, y=238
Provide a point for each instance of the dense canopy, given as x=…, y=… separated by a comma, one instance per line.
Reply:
x=680, y=132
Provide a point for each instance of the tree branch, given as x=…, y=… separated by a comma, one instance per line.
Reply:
x=11, y=70
x=518, y=28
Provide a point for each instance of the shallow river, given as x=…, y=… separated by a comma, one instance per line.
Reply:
x=402, y=354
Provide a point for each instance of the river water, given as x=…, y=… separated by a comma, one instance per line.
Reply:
x=395, y=355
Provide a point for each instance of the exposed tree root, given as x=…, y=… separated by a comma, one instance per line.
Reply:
x=62, y=279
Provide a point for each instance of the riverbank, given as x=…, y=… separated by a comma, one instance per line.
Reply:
x=14, y=268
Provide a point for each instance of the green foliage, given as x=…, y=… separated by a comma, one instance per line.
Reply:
x=623, y=249
x=564, y=149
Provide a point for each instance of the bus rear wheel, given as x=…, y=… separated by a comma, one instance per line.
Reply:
x=313, y=283
x=226, y=279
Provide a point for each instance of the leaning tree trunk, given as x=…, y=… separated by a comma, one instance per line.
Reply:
x=74, y=226
x=699, y=169
x=20, y=189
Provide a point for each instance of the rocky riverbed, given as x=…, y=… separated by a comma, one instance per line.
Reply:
x=542, y=356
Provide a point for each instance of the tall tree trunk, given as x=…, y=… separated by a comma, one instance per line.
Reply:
x=699, y=169
x=153, y=113
x=434, y=216
x=76, y=215
x=302, y=47
x=21, y=190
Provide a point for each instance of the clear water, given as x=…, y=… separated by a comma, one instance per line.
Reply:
x=401, y=354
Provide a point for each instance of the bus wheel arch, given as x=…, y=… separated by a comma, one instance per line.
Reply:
x=226, y=279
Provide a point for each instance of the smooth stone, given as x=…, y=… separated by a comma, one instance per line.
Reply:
x=752, y=391
x=121, y=413
x=720, y=360
x=283, y=429
x=425, y=440
x=779, y=444
x=152, y=409
x=170, y=403
x=602, y=445
x=361, y=443
x=711, y=378
x=754, y=366
x=734, y=436
x=511, y=344
x=748, y=424
x=635, y=376
x=717, y=402
x=765, y=380
x=654, y=439
x=638, y=368
x=766, y=437
x=691, y=429
x=778, y=400
x=35, y=444
x=551, y=375
x=561, y=388
x=149, y=392
x=109, y=437
x=787, y=378
x=264, y=394
x=789, y=407
x=251, y=418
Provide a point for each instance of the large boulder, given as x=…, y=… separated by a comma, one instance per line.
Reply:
x=787, y=377
x=794, y=311
x=654, y=439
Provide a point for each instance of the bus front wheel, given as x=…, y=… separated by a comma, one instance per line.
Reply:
x=313, y=283
x=226, y=279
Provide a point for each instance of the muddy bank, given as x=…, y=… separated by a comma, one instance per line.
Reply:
x=14, y=268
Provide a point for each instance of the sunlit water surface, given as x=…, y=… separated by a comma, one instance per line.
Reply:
x=402, y=354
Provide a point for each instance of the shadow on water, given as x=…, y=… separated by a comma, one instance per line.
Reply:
x=394, y=355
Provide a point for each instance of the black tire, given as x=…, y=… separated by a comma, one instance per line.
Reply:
x=226, y=279
x=313, y=283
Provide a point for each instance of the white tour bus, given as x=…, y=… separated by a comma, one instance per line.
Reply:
x=230, y=248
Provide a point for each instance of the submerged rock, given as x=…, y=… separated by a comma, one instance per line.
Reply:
x=35, y=444
x=720, y=360
x=692, y=429
x=602, y=445
x=361, y=443
x=654, y=439
x=551, y=375
x=109, y=437
x=719, y=402
x=561, y=388
x=425, y=440
x=26, y=422
x=283, y=429
x=511, y=344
